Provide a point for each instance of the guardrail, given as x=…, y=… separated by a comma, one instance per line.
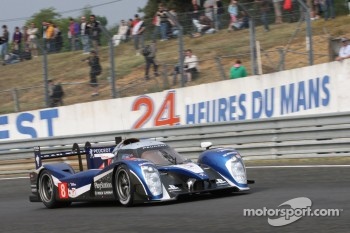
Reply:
x=284, y=137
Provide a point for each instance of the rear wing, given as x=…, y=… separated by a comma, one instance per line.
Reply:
x=96, y=157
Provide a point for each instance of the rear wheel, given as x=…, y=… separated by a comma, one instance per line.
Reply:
x=47, y=191
x=123, y=186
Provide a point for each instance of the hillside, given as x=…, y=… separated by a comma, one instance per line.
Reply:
x=216, y=52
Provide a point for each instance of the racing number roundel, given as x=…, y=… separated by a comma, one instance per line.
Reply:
x=63, y=190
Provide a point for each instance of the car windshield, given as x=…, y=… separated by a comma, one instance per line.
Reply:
x=162, y=156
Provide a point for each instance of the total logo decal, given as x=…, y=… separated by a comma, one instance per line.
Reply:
x=173, y=188
x=299, y=207
x=220, y=182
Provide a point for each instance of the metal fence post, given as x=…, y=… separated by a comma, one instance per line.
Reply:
x=181, y=47
x=282, y=59
x=308, y=31
x=252, y=39
x=111, y=57
x=221, y=69
x=15, y=99
x=45, y=72
x=165, y=76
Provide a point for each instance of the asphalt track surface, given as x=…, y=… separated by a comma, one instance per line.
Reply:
x=327, y=187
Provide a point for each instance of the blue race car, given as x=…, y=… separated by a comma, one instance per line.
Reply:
x=135, y=171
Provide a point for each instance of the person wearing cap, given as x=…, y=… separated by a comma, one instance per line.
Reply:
x=344, y=51
x=238, y=70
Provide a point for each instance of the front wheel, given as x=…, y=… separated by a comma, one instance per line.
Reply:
x=123, y=186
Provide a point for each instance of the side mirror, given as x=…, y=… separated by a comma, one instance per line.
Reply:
x=206, y=145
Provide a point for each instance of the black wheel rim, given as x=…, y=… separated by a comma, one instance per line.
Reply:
x=123, y=184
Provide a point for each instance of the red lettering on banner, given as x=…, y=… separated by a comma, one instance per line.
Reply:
x=165, y=116
x=143, y=101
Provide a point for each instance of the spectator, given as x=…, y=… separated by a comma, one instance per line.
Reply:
x=317, y=9
x=191, y=65
x=95, y=70
x=204, y=25
x=32, y=37
x=129, y=33
x=233, y=11
x=328, y=9
x=4, y=41
x=195, y=11
x=17, y=39
x=263, y=6
x=164, y=22
x=174, y=31
x=50, y=37
x=26, y=54
x=58, y=40
x=122, y=30
x=74, y=30
x=138, y=29
x=238, y=70
x=344, y=51
x=56, y=94
x=208, y=8
x=25, y=37
x=84, y=35
x=218, y=11
x=149, y=52
x=12, y=57
x=278, y=11
x=243, y=21
x=94, y=32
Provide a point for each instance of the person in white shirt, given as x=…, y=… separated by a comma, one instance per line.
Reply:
x=84, y=35
x=123, y=29
x=191, y=64
x=32, y=32
x=344, y=51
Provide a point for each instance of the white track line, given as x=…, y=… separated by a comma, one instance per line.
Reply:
x=14, y=178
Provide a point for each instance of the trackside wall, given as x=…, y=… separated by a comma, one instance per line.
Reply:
x=309, y=90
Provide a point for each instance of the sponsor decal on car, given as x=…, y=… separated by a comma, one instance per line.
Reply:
x=173, y=188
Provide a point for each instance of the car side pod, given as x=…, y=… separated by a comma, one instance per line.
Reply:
x=251, y=181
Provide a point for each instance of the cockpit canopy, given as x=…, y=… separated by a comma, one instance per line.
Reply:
x=155, y=152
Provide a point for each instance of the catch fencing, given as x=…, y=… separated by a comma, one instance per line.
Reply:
x=123, y=71
x=325, y=135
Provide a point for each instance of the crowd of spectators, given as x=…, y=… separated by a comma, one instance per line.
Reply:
x=206, y=17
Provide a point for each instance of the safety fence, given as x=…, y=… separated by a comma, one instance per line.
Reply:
x=324, y=135
x=124, y=76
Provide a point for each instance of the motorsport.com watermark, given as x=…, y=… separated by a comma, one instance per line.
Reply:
x=299, y=207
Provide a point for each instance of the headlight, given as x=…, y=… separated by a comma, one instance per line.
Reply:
x=236, y=167
x=152, y=179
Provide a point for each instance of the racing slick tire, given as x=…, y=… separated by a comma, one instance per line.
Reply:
x=124, y=188
x=48, y=191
